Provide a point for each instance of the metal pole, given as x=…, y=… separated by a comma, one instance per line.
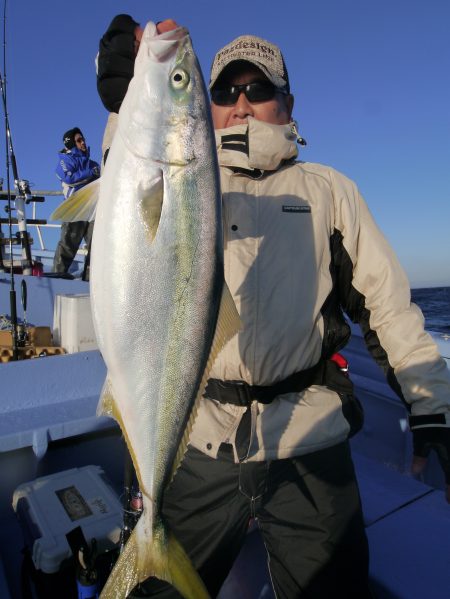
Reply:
x=12, y=291
x=21, y=199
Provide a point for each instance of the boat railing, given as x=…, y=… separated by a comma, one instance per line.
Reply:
x=42, y=224
x=39, y=247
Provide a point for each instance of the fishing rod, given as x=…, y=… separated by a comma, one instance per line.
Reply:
x=22, y=197
x=12, y=291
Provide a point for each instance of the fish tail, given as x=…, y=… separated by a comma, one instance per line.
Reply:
x=160, y=556
x=180, y=572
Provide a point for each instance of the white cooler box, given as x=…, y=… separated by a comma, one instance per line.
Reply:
x=50, y=507
x=73, y=328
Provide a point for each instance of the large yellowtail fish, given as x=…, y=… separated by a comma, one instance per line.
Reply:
x=160, y=306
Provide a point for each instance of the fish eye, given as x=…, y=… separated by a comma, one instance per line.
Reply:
x=179, y=78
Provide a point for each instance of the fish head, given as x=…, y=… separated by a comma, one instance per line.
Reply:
x=165, y=116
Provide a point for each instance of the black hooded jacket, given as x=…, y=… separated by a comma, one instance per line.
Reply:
x=116, y=61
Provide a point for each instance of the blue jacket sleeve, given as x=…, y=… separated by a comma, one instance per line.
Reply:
x=72, y=171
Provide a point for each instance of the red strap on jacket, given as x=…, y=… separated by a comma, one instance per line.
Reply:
x=340, y=361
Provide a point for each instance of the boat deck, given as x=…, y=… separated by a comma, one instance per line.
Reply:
x=48, y=424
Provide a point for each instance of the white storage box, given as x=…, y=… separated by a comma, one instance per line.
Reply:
x=73, y=328
x=50, y=507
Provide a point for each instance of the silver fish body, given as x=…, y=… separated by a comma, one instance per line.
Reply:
x=157, y=286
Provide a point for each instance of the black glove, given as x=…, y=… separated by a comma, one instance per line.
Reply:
x=432, y=437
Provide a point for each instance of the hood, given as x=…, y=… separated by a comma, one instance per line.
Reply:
x=256, y=145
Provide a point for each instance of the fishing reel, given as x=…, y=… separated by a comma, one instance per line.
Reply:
x=22, y=335
x=23, y=186
x=132, y=513
x=22, y=329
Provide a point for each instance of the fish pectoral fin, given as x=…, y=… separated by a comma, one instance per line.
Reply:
x=161, y=556
x=227, y=325
x=151, y=196
x=81, y=205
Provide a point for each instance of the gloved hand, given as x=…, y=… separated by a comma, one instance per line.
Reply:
x=428, y=438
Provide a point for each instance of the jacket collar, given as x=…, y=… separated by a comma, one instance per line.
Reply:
x=256, y=146
x=76, y=152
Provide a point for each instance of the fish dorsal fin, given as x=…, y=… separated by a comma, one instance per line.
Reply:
x=81, y=205
x=151, y=197
x=228, y=324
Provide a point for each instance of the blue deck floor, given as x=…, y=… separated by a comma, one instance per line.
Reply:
x=48, y=424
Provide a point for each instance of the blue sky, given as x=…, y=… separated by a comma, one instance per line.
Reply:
x=370, y=79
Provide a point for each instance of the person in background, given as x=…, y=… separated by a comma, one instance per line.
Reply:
x=271, y=438
x=75, y=169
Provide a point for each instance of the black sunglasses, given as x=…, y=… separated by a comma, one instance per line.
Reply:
x=259, y=91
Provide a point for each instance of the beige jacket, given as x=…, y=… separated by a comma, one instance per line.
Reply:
x=299, y=244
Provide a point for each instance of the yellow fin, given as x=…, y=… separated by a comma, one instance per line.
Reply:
x=150, y=203
x=107, y=406
x=161, y=556
x=228, y=324
x=81, y=205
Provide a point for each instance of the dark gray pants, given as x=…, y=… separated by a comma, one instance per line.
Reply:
x=307, y=508
x=71, y=237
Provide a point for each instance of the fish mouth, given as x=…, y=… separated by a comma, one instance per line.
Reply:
x=162, y=45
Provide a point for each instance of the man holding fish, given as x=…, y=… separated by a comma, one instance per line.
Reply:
x=252, y=416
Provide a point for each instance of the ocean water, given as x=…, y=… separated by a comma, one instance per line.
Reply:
x=435, y=305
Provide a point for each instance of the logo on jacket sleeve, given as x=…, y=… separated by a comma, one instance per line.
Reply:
x=299, y=209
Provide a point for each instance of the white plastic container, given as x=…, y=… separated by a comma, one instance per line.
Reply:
x=73, y=328
x=50, y=507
